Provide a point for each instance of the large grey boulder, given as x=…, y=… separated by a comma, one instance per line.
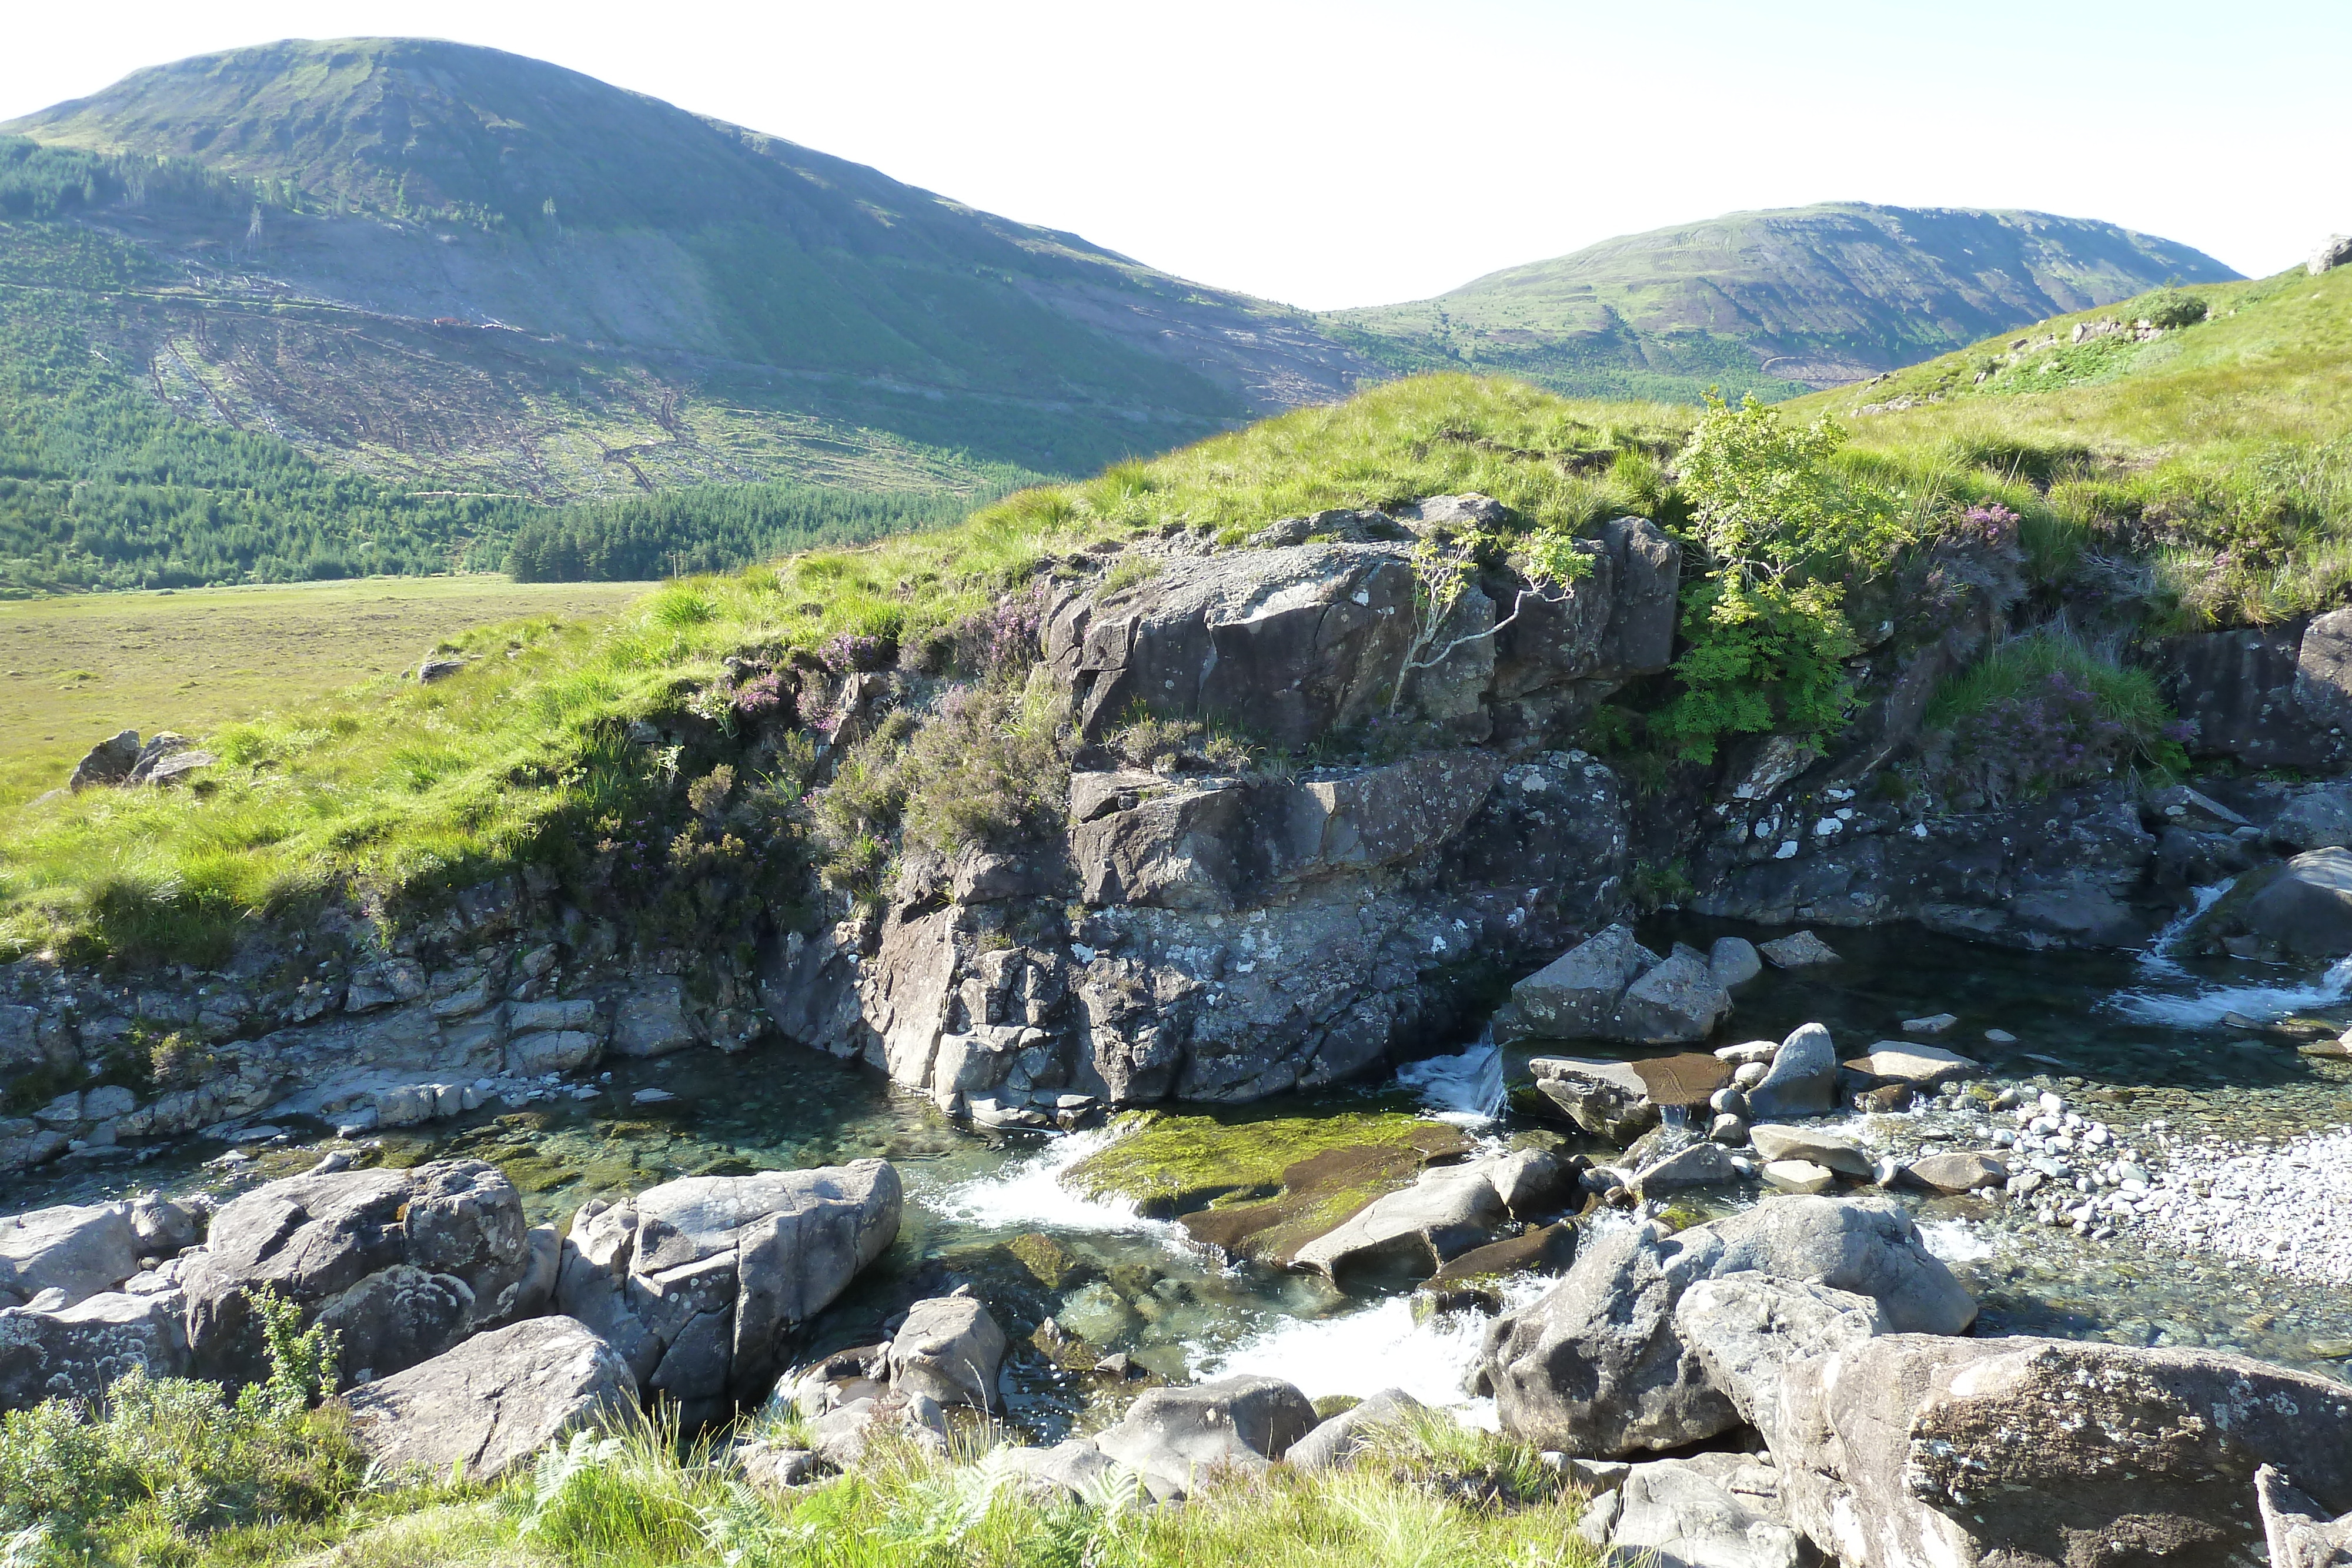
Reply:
x=75, y=1351
x=2306, y=908
x=1906, y=1450
x=1802, y=1079
x=1073, y=1470
x=950, y=1349
x=1746, y=1327
x=1598, y=1365
x=401, y=1264
x=842, y=1435
x=1337, y=1442
x=1607, y=1099
x=1833, y=1151
x=1412, y=1233
x=80, y=1250
x=108, y=762
x=697, y=1282
x=2296, y=1529
x=1174, y=1436
x=1576, y=995
x=482, y=1409
x=1717, y=1511
x=1699, y=1165
x=1678, y=1000
x=2319, y=817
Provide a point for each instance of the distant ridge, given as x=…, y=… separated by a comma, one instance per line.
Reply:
x=1778, y=302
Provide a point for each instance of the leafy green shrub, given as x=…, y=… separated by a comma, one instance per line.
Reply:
x=2041, y=712
x=165, y=1462
x=1778, y=527
x=2167, y=309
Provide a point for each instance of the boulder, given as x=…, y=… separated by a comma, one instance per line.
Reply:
x=1745, y=1327
x=2296, y=1529
x=1576, y=995
x=79, y=1250
x=1733, y=961
x=1958, y=1172
x=1679, y=1000
x=108, y=762
x=1336, y=1443
x=1171, y=1436
x=2328, y=255
x=402, y=1264
x=1596, y=1366
x=1920, y=1066
x=2306, y=908
x=948, y=1349
x=1908, y=1449
x=1799, y=950
x=843, y=1434
x=1412, y=1233
x=75, y=1352
x=697, y=1282
x=1075, y=1470
x=2319, y=817
x=1701, y=1165
x=1801, y=1177
x=482, y=1409
x=1691, y=1513
x=1822, y=1147
x=1607, y=1099
x=1802, y=1079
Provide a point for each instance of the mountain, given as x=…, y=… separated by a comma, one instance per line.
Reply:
x=443, y=264
x=1776, y=302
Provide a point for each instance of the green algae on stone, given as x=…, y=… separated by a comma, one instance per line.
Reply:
x=1262, y=1187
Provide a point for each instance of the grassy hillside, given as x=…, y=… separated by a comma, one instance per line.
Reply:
x=1775, y=303
x=2196, y=476
x=464, y=285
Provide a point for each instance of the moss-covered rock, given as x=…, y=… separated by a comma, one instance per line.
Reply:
x=1263, y=1187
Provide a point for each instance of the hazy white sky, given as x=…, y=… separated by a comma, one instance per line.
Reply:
x=1330, y=155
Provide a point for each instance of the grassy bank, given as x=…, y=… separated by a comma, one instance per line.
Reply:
x=173, y=1473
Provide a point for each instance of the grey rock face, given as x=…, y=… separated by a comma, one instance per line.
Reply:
x=75, y=1351
x=1170, y=1436
x=403, y=1264
x=78, y=1249
x=1693, y=1513
x=948, y=1349
x=1833, y=1151
x=483, y=1408
x=2328, y=255
x=1336, y=1443
x=1597, y=1365
x=1073, y=1470
x=2244, y=690
x=843, y=1433
x=2318, y=818
x=1906, y=1450
x=1802, y=1081
x=1701, y=1165
x=696, y=1284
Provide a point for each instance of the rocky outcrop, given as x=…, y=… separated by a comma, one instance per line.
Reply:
x=1598, y=1367
x=1714, y=1510
x=402, y=1265
x=1447, y=1211
x=698, y=1283
x=482, y=1409
x=2296, y=1529
x=2070, y=870
x=1612, y=988
x=1909, y=1450
x=75, y=1251
x=2265, y=696
x=2303, y=908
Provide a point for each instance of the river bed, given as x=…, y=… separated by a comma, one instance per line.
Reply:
x=2155, y=1046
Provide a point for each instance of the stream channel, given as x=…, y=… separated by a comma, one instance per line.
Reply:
x=2138, y=1041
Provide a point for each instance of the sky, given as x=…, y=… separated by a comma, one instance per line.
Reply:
x=1334, y=154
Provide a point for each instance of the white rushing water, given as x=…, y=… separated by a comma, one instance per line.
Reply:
x=1028, y=1195
x=1362, y=1352
x=2186, y=1003
x=1465, y=1090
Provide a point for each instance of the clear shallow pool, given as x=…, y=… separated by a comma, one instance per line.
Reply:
x=2136, y=1041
